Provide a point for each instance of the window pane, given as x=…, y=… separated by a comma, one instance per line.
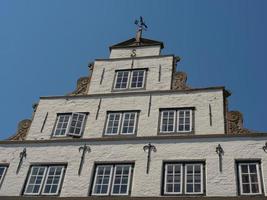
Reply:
x=246, y=188
x=113, y=123
x=122, y=79
x=137, y=78
x=255, y=188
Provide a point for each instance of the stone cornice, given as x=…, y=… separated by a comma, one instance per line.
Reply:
x=146, y=138
x=135, y=198
x=135, y=58
x=185, y=91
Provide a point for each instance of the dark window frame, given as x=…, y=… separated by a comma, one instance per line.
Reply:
x=241, y=161
x=65, y=165
x=128, y=88
x=114, y=163
x=176, y=109
x=66, y=135
x=6, y=165
x=120, y=123
x=183, y=163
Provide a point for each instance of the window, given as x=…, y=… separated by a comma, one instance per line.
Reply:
x=123, y=123
x=130, y=79
x=183, y=178
x=44, y=180
x=173, y=179
x=193, y=179
x=175, y=120
x=3, y=169
x=112, y=179
x=70, y=124
x=249, y=178
x=137, y=80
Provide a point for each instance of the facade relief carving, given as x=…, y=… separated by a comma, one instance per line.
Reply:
x=235, y=123
x=82, y=86
x=179, y=81
x=22, y=130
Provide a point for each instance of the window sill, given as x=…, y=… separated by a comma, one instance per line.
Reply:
x=128, y=90
x=65, y=137
x=120, y=136
x=177, y=133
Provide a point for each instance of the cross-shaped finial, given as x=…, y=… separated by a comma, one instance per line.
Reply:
x=140, y=27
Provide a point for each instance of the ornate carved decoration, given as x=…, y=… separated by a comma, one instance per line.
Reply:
x=82, y=86
x=22, y=130
x=179, y=81
x=235, y=123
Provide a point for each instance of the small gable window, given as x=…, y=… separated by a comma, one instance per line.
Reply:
x=130, y=79
x=70, y=124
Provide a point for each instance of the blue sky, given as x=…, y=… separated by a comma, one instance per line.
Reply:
x=45, y=46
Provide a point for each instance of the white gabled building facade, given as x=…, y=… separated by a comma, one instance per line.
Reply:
x=134, y=129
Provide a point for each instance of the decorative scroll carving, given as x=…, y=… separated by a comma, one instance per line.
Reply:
x=235, y=123
x=22, y=130
x=179, y=81
x=82, y=86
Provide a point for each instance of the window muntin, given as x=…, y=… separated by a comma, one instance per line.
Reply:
x=193, y=179
x=183, y=178
x=123, y=123
x=112, y=179
x=2, y=173
x=130, y=79
x=36, y=183
x=249, y=178
x=173, y=179
x=175, y=120
x=137, y=79
x=69, y=124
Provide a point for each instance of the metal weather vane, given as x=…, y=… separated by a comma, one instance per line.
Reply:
x=84, y=149
x=148, y=148
x=141, y=25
